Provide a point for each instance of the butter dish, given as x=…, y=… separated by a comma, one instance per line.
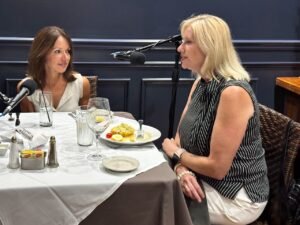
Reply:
x=32, y=159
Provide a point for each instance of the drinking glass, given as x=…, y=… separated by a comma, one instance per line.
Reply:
x=46, y=112
x=98, y=119
x=85, y=135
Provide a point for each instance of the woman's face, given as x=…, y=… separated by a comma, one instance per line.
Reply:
x=192, y=57
x=58, y=58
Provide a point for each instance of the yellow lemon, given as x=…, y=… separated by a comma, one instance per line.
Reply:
x=99, y=119
x=117, y=137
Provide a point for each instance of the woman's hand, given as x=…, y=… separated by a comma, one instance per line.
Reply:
x=191, y=187
x=169, y=146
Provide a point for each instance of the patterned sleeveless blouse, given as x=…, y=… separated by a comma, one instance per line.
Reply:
x=249, y=169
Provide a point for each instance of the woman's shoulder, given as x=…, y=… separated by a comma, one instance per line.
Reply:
x=77, y=75
x=233, y=82
x=236, y=86
x=80, y=78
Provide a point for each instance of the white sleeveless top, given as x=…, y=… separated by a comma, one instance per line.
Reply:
x=70, y=98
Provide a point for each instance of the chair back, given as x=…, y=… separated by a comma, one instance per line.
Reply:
x=93, y=84
x=281, y=141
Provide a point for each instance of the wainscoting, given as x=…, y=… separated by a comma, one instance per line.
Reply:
x=145, y=90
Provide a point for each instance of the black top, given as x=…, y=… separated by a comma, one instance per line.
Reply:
x=249, y=169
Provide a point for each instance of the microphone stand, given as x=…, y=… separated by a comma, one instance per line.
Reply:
x=6, y=101
x=175, y=75
x=175, y=39
x=175, y=79
x=4, y=98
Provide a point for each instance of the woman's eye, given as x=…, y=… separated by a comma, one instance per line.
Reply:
x=57, y=51
x=187, y=42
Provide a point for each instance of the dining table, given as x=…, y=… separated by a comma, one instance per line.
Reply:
x=80, y=191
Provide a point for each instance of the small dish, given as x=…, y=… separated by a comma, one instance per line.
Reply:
x=120, y=163
x=3, y=148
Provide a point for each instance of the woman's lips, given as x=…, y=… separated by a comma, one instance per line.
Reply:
x=63, y=64
x=182, y=58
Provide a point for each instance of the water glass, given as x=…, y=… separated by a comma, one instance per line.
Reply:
x=46, y=112
x=99, y=118
x=85, y=135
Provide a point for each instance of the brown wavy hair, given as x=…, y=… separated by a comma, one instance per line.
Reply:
x=41, y=45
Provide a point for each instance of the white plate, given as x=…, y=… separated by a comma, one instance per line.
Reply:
x=151, y=134
x=120, y=163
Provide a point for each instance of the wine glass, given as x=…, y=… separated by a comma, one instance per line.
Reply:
x=98, y=119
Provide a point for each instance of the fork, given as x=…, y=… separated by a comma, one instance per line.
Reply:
x=140, y=132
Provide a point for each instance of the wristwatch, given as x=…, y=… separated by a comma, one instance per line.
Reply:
x=177, y=155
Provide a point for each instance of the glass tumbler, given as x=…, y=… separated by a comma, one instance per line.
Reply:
x=85, y=135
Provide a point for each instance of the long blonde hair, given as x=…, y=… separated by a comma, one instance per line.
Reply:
x=213, y=37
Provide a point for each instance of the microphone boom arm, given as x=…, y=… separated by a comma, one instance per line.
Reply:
x=175, y=76
x=175, y=38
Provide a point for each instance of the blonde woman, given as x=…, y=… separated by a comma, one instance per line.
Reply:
x=218, y=142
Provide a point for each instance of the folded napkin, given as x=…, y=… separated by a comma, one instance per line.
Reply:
x=34, y=139
x=38, y=140
x=7, y=135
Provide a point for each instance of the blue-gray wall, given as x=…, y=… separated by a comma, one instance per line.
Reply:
x=255, y=19
x=265, y=32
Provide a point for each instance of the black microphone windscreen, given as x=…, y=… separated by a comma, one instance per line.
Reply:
x=137, y=58
x=30, y=85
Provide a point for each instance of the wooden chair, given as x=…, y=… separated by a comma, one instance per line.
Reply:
x=278, y=144
x=93, y=83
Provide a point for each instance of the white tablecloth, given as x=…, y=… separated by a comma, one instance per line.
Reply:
x=69, y=193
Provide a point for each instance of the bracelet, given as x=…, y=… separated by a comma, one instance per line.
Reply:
x=179, y=176
x=176, y=166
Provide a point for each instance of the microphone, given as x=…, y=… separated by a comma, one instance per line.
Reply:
x=133, y=56
x=26, y=89
x=136, y=57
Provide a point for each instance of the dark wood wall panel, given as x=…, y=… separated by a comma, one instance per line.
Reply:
x=156, y=101
x=145, y=90
x=116, y=90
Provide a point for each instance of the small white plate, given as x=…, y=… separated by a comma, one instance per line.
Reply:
x=151, y=134
x=120, y=163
